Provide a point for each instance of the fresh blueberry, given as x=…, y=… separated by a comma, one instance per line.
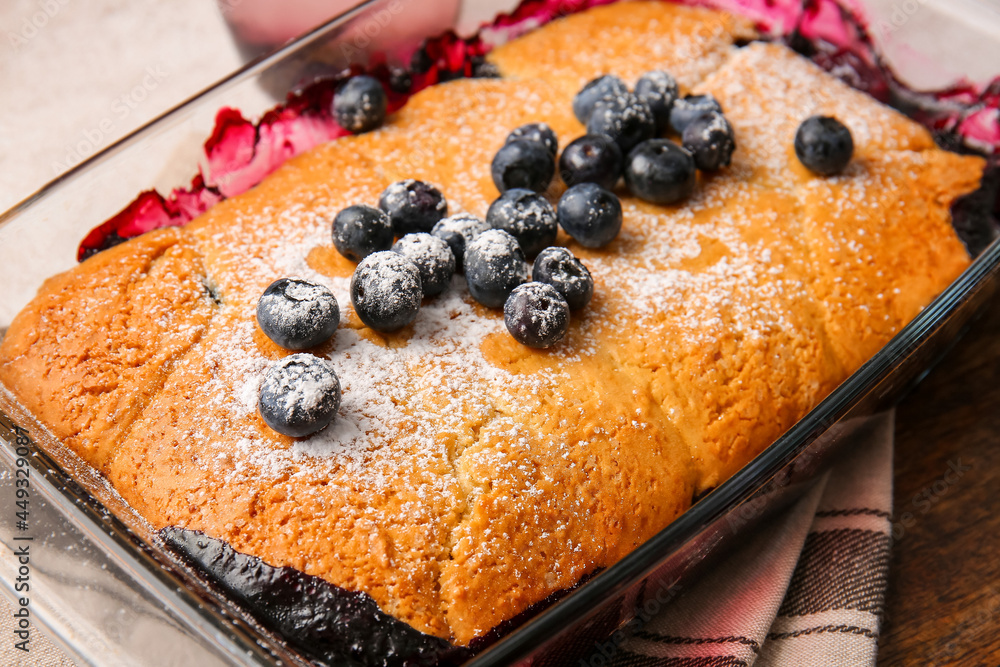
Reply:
x=590, y=214
x=537, y=132
x=457, y=231
x=297, y=314
x=603, y=87
x=484, y=69
x=558, y=267
x=300, y=395
x=625, y=118
x=359, y=104
x=433, y=258
x=421, y=61
x=494, y=265
x=386, y=291
x=824, y=145
x=659, y=90
x=526, y=216
x=686, y=109
x=536, y=315
x=360, y=230
x=523, y=163
x=412, y=206
x=710, y=141
x=593, y=158
x=660, y=172
x=400, y=80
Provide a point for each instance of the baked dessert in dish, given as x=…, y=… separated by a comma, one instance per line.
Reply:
x=468, y=477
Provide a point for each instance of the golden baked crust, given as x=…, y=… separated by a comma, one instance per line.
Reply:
x=467, y=476
x=95, y=344
x=688, y=42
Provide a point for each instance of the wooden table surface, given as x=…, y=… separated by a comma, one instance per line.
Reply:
x=943, y=603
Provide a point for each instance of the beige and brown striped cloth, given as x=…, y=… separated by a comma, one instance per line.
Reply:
x=807, y=589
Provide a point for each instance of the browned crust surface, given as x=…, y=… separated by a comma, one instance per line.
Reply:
x=468, y=477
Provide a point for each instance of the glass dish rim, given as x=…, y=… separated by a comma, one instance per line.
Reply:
x=579, y=604
x=249, y=69
x=741, y=487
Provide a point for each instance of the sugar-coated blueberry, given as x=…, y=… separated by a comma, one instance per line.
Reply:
x=625, y=118
x=659, y=90
x=386, y=291
x=710, y=140
x=590, y=214
x=592, y=158
x=603, y=87
x=297, y=314
x=558, y=267
x=536, y=315
x=300, y=395
x=359, y=104
x=523, y=163
x=660, y=171
x=412, y=206
x=457, y=231
x=527, y=216
x=539, y=132
x=433, y=258
x=494, y=266
x=686, y=109
x=360, y=230
x=824, y=145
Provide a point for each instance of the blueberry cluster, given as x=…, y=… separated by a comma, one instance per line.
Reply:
x=588, y=211
x=626, y=137
x=522, y=223
x=300, y=394
x=406, y=249
x=537, y=313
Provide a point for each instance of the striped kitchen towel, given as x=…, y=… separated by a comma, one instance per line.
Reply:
x=806, y=590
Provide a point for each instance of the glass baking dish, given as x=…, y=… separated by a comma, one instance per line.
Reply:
x=107, y=590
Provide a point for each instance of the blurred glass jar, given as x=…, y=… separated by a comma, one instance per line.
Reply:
x=395, y=28
x=389, y=31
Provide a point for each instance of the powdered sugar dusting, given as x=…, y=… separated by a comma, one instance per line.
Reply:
x=775, y=90
x=684, y=277
x=382, y=416
x=398, y=400
x=466, y=476
x=386, y=410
